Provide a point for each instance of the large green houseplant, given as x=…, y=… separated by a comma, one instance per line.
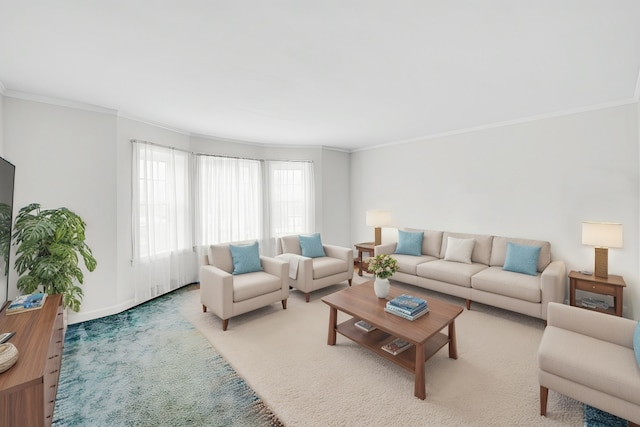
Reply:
x=48, y=244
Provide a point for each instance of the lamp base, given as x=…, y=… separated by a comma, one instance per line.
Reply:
x=602, y=263
x=378, y=236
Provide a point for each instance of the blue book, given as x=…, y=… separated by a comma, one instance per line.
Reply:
x=394, y=310
x=408, y=303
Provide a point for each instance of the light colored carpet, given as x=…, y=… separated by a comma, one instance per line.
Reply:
x=283, y=355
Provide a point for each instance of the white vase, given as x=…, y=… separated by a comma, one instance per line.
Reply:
x=381, y=287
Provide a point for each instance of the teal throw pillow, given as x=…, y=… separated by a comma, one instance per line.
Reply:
x=522, y=259
x=636, y=343
x=246, y=258
x=311, y=246
x=409, y=243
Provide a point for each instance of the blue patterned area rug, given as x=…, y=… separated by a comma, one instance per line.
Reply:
x=149, y=366
x=596, y=418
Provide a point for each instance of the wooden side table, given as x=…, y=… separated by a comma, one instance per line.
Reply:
x=367, y=247
x=611, y=286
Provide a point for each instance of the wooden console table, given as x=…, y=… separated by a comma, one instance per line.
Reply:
x=367, y=247
x=28, y=389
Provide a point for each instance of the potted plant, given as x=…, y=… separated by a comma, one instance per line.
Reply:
x=382, y=266
x=48, y=244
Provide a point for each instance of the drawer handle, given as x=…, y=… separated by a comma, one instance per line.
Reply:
x=53, y=372
x=594, y=286
x=53, y=386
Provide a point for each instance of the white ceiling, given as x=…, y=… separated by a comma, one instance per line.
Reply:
x=336, y=73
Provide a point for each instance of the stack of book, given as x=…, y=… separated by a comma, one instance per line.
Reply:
x=594, y=304
x=407, y=306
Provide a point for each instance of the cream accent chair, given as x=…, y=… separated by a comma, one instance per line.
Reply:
x=589, y=357
x=317, y=273
x=229, y=295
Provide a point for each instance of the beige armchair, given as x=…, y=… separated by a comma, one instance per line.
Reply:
x=589, y=357
x=316, y=273
x=229, y=295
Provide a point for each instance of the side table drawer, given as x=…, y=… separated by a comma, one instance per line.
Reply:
x=595, y=287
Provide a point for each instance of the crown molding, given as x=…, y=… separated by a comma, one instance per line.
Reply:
x=59, y=102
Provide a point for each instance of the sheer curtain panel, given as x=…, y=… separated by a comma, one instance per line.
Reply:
x=163, y=253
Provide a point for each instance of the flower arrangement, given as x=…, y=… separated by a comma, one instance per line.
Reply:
x=383, y=266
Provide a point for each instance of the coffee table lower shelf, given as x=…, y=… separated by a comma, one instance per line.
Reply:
x=374, y=340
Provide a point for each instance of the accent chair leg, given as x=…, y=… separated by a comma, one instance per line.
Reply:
x=633, y=424
x=284, y=304
x=307, y=296
x=225, y=324
x=350, y=282
x=204, y=308
x=468, y=304
x=544, y=394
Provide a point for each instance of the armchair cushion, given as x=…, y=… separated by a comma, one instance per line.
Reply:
x=250, y=285
x=311, y=246
x=246, y=258
x=327, y=266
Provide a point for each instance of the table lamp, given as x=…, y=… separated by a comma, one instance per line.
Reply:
x=378, y=218
x=602, y=235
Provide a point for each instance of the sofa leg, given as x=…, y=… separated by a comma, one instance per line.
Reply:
x=225, y=324
x=350, y=282
x=204, y=308
x=468, y=304
x=307, y=296
x=544, y=394
x=284, y=304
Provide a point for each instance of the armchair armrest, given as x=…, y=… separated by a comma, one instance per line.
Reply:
x=216, y=290
x=387, y=248
x=605, y=327
x=339, y=252
x=553, y=285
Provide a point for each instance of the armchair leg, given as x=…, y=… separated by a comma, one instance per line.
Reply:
x=307, y=296
x=204, y=308
x=225, y=323
x=284, y=304
x=544, y=393
x=468, y=304
x=350, y=282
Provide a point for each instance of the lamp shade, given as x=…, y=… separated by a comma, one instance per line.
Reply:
x=602, y=234
x=378, y=218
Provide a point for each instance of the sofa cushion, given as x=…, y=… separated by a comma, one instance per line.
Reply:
x=522, y=258
x=291, y=244
x=515, y=285
x=327, y=266
x=220, y=257
x=481, y=248
x=409, y=243
x=408, y=263
x=431, y=242
x=311, y=246
x=250, y=285
x=459, y=250
x=499, y=251
x=451, y=272
x=579, y=358
x=246, y=258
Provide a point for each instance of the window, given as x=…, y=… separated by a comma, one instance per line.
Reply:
x=290, y=197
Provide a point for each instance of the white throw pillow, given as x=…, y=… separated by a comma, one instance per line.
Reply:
x=459, y=250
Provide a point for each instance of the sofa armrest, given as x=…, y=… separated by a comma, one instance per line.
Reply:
x=604, y=327
x=216, y=290
x=387, y=248
x=553, y=285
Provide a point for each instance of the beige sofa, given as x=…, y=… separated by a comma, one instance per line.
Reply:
x=483, y=279
x=589, y=357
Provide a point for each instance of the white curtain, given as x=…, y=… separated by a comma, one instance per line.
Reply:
x=230, y=200
x=291, y=198
x=163, y=253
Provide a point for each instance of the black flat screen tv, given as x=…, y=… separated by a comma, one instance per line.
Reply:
x=7, y=178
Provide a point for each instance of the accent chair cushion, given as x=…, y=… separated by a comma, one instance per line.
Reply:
x=459, y=250
x=311, y=246
x=636, y=343
x=522, y=259
x=409, y=243
x=246, y=258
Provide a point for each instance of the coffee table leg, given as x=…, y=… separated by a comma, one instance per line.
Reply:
x=420, y=384
x=453, y=347
x=333, y=323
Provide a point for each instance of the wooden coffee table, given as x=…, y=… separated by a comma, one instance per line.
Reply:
x=424, y=333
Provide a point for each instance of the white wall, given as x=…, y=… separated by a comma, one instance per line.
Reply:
x=537, y=179
x=67, y=157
